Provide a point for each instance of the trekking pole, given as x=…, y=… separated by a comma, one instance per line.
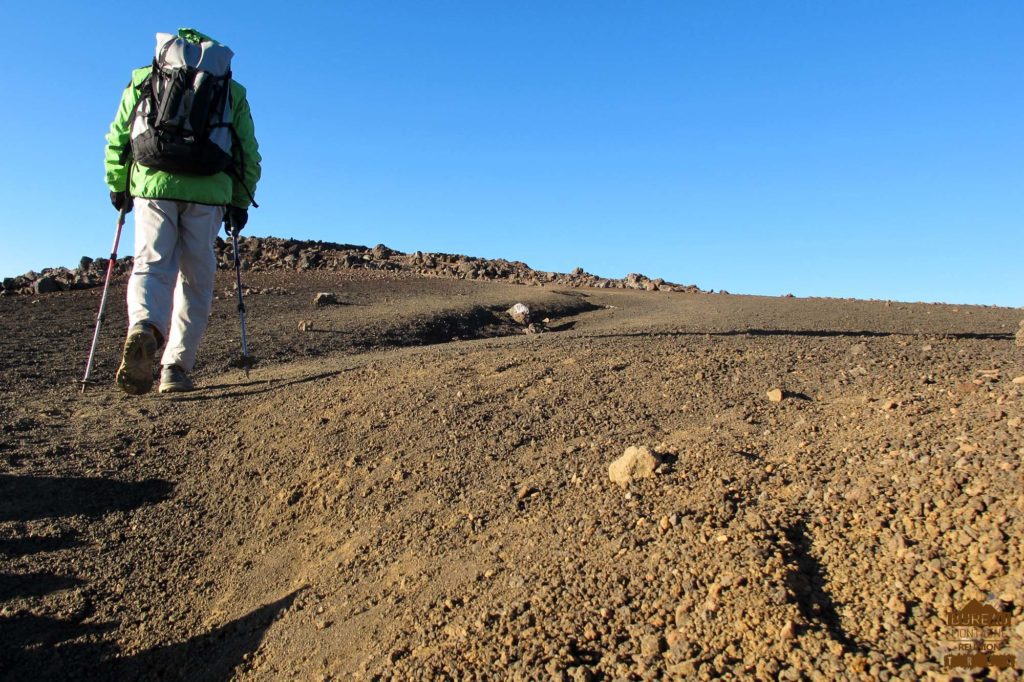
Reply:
x=103, y=299
x=247, y=361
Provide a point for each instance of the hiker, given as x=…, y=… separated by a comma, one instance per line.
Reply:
x=181, y=151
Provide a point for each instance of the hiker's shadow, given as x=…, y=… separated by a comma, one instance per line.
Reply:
x=71, y=645
x=808, y=582
x=31, y=641
x=206, y=658
x=249, y=388
x=216, y=387
x=52, y=649
x=29, y=498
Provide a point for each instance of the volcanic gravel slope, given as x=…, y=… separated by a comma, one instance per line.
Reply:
x=379, y=500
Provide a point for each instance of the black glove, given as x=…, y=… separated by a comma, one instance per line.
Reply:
x=119, y=199
x=236, y=218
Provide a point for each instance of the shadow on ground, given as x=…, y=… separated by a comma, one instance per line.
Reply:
x=206, y=392
x=26, y=498
x=40, y=648
x=814, y=333
x=37, y=646
x=808, y=582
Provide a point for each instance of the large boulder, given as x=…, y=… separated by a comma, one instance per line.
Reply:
x=46, y=285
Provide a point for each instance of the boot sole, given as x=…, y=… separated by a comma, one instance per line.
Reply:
x=135, y=376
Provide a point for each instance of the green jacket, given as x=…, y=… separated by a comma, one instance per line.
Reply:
x=216, y=190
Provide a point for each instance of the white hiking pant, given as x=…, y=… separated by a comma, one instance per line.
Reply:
x=174, y=262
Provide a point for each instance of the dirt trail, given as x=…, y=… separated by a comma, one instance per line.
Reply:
x=374, y=503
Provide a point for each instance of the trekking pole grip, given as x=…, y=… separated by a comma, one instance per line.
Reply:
x=117, y=235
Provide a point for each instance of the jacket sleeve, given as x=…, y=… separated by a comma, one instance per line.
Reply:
x=117, y=139
x=247, y=156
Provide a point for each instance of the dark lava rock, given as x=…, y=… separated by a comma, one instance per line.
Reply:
x=46, y=285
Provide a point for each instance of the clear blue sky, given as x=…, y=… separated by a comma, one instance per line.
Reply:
x=872, y=149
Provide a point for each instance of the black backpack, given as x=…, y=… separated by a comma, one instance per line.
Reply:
x=182, y=120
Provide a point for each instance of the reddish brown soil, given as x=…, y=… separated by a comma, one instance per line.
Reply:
x=379, y=501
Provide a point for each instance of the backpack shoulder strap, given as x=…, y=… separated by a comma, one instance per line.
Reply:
x=145, y=87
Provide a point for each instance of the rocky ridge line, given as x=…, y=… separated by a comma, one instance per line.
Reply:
x=261, y=254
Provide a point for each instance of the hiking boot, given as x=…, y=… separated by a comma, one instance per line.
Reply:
x=135, y=375
x=173, y=379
